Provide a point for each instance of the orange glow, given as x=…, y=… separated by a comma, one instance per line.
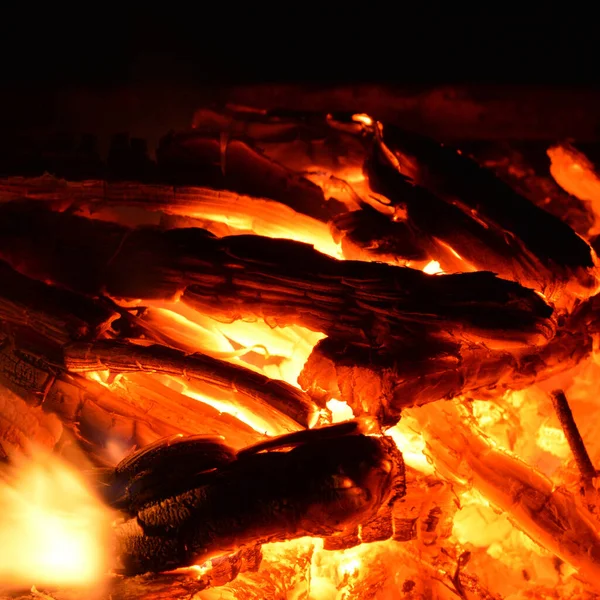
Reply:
x=53, y=530
x=432, y=267
x=573, y=171
x=362, y=118
x=277, y=352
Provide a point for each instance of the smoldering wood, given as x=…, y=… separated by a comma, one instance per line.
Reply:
x=176, y=585
x=367, y=234
x=318, y=488
x=281, y=281
x=492, y=227
x=221, y=163
x=127, y=416
x=461, y=182
x=55, y=313
x=273, y=398
x=382, y=384
x=567, y=422
x=161, y=470
x=518, y=241
x=525, y=166
x=173, y=200
x=38, y=312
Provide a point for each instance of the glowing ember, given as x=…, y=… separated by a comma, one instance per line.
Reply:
x=432, y=267
x=53, y=529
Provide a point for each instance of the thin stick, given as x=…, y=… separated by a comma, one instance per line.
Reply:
x=565, y=416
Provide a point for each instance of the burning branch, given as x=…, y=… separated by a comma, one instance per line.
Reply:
x=264, y=395
x=582, y=458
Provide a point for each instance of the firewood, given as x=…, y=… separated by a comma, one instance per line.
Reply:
x=383, y=384
x=546, y=249
x=317, y=488
x=55, y=313
x=490, y=227
x=279, y=280
x=526, y=168
x=274, y=399
x=219, y=163
x=108, y=421
x=547, y=513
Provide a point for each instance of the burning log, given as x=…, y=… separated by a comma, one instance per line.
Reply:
x=247, y=276
x=320, y=487
x=274, y=399
x=382, y=383
x=223, y=164
x=218, y=211
x=56, y=314
x=39, y=321
x=549, y=515
x=478, y=215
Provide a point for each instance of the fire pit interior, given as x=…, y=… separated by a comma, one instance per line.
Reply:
x=299, y=352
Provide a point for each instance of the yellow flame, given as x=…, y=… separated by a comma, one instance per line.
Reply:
x=53, y=529
x=432, y=267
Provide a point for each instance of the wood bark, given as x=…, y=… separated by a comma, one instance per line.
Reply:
x=382, y=383
x=281, y=281
x=320, y=487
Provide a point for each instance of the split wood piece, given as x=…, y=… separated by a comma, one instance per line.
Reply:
x=328, y=149
x=217, y=162
x=382, y=384
x=547, y=513
x=317, y=488
x=542, y=243
x=55, y=313
x=281, y=281
x=274, y=400
x=567, y=422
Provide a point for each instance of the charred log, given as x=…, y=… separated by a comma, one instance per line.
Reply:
x=281, y=281
x=366, y=234
x=317, y=488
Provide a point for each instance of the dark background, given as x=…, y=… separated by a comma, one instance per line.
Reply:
x=102, y=68
x=104, y=44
